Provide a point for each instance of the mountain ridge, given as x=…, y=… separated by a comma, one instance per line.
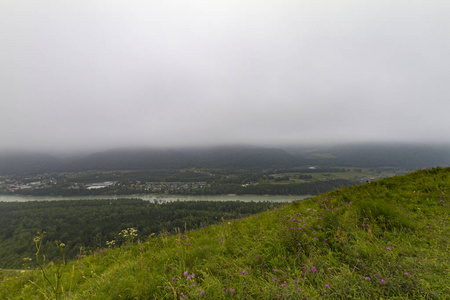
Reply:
x=138, y=159
x=408, y=156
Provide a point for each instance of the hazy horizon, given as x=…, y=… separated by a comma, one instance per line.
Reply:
x=289, y=148
x=99, y=75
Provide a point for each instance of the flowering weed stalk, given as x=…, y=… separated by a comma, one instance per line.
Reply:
x=54, y=286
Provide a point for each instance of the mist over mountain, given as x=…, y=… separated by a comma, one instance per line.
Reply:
x=139, y=159
x=18, y=162
x=360, y=155
x=412, y=156
x=221, y=157
x=93, y=75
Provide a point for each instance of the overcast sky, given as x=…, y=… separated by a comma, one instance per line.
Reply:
x=106, y=73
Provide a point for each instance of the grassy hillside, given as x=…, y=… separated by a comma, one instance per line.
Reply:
x=89, y=224
x=384, y=240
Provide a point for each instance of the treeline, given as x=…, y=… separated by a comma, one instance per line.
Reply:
x=312, y=188
x=231, y=185
x=140, y=176
x=86, y=225
x=168, y=175
x=62, y=190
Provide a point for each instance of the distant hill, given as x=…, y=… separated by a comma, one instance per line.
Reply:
x=375, y=155
x=364, y=155
x=142, y=159
x=223, y=157
x=20, y=162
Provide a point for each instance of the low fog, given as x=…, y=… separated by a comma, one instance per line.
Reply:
x=101, y=74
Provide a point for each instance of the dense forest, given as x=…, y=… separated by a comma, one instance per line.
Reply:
x=85, y=226
x=274, y=189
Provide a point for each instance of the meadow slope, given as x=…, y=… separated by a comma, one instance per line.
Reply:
x=382, y=240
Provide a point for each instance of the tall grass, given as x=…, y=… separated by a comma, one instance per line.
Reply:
x=387, y=239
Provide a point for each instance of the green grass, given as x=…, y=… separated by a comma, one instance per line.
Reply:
x=351, y=173
x=389, y=239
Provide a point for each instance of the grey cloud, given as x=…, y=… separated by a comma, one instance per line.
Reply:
x=112, y=73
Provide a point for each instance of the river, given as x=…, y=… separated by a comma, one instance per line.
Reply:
x=164, y=198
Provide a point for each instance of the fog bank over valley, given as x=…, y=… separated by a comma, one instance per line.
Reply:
x=97, y=75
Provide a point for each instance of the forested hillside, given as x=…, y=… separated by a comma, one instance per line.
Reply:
x=410, y=156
